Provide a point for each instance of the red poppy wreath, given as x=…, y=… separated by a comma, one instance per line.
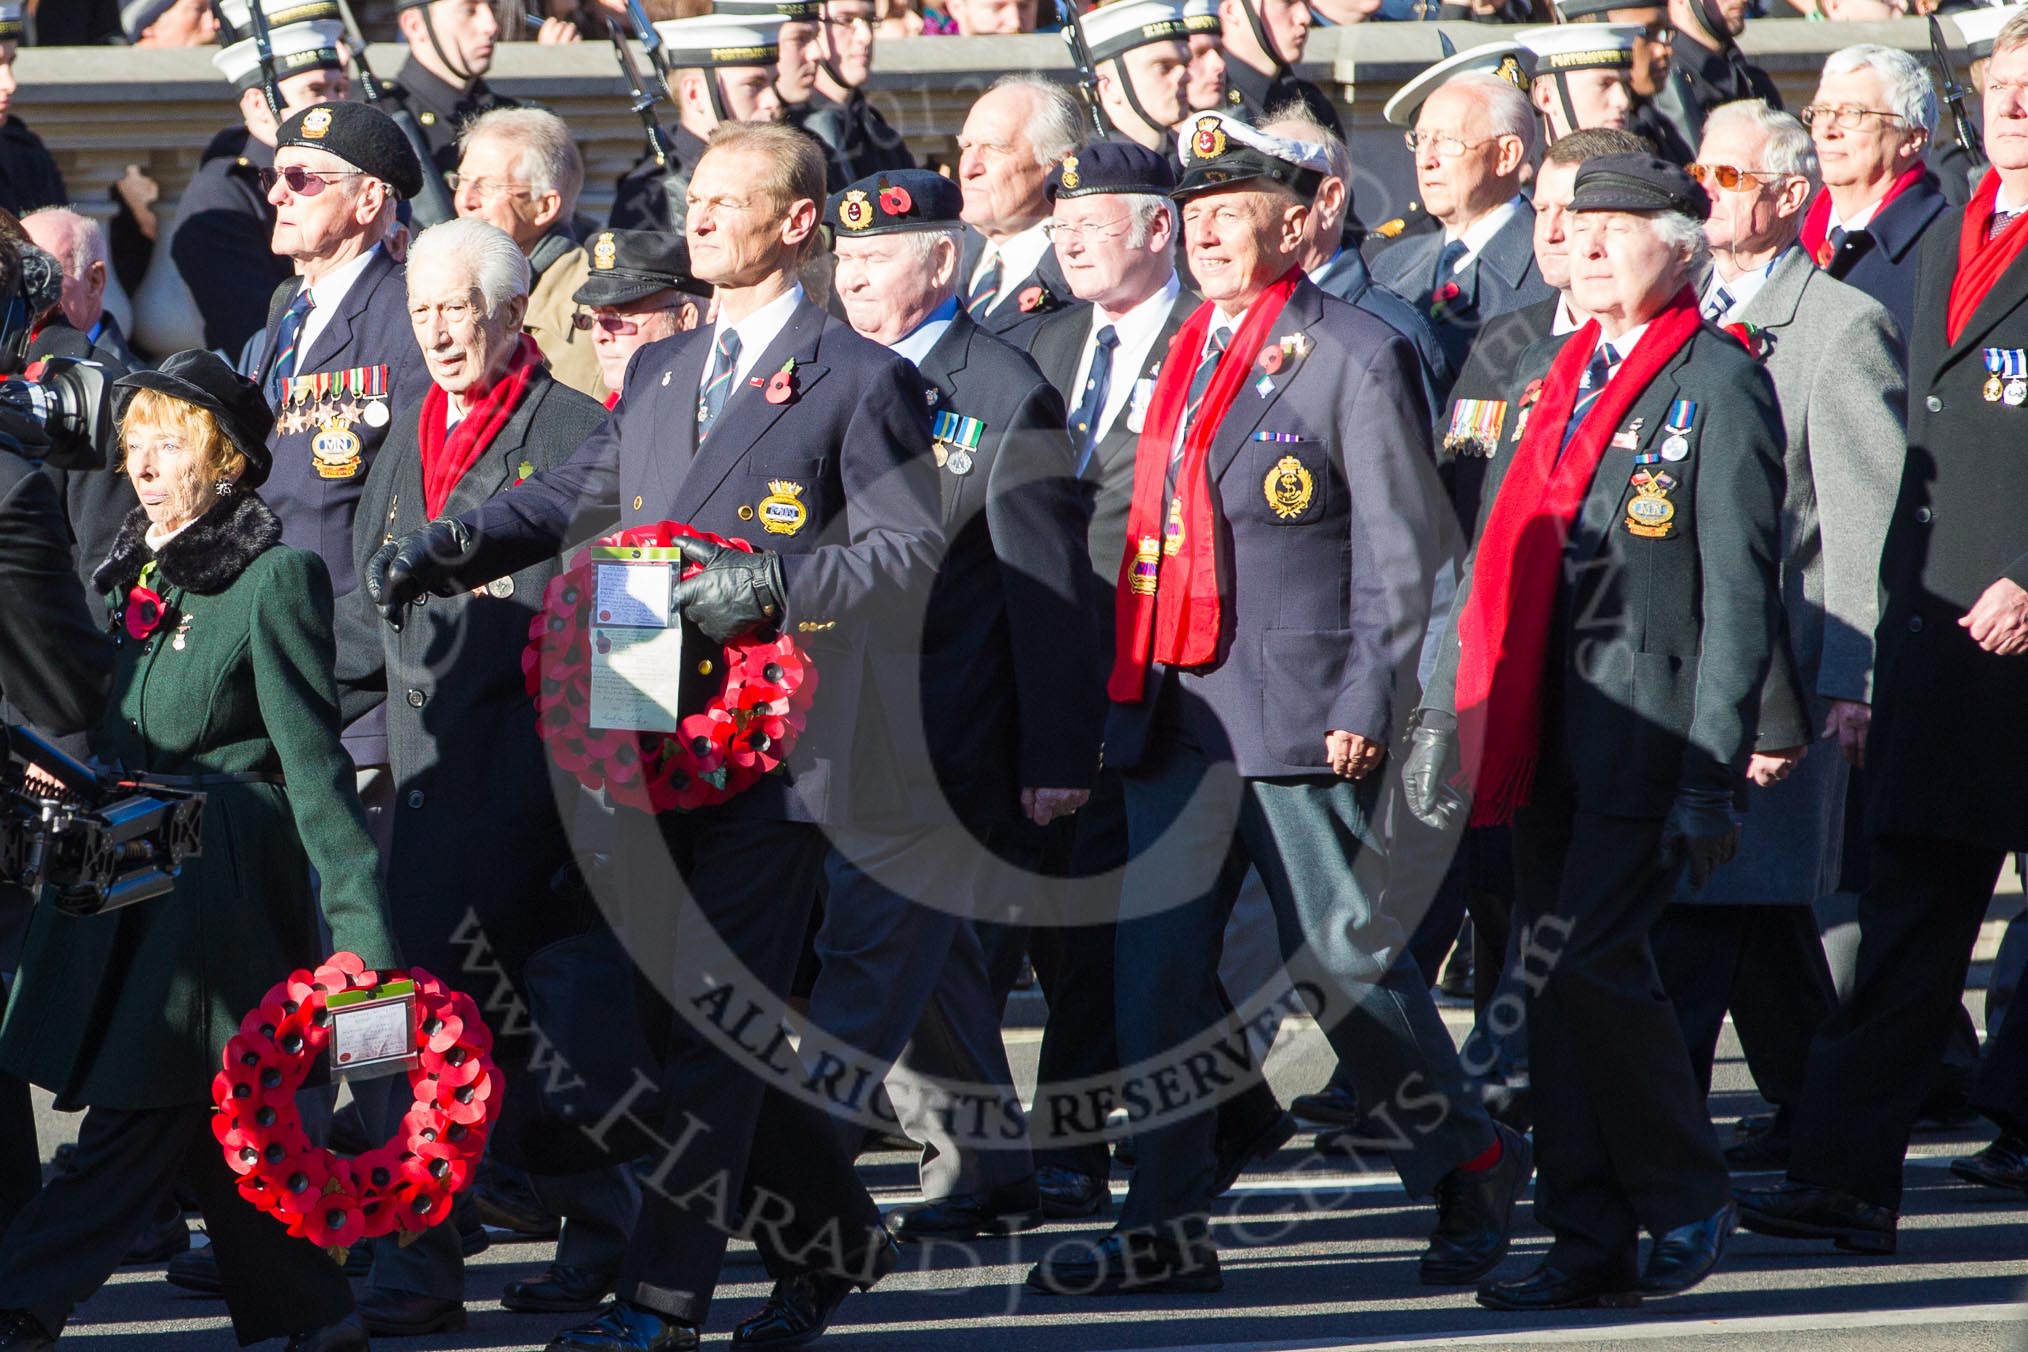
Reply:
x=404, y=1186
x=744, y=733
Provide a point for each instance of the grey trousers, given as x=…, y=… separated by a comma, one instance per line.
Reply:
x=905, y=985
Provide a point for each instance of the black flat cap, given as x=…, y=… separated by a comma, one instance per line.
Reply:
x=1110, y=167
x=630, y=265
x=362, y=136
x=1638, y=183
x=202, y=378
x=900, y=199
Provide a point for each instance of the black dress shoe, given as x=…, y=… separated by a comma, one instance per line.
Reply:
x=1004, y=1210
x=561, y=1290
x=1068, y=1195
x=1944, y=1110
x=165, y=1237
x=2003, y=1164
x=1363, y=1137
x=503, y=1200
x=1794, y=1210
x=347, y=1335
x=1686, y=1255
x=1475, y=1215
x=1761, y=1150
x=472, y=1237
x=1550, y=1288
x=624, y=1327
x=1130, y=1263
x=20, y=1332
x=196, y=1270
x=405, y=1314
x=1253, y=1147
x=1332, y=1106
x=800, y=1308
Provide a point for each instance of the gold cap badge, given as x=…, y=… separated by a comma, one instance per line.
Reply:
x=605, y=252
x=316, y=122
x=855, y=212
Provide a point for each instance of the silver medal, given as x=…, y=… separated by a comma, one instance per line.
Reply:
x=1675, y=447
x=2016, y=391
x=960, y=462
x=502, y=587
x=376, y=413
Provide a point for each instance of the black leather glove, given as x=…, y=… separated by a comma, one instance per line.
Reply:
x=1429, y=768
x=419, y=562
x=736, y=593
x=1703, y=829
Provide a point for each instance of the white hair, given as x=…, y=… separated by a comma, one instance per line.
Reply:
x=1905, y=85
x=550, y=161
x=1508, y=111
x=1055, y=126
x=1142, y=209
x=923, y=243
x=84, y=240
x=2012, y=34
x=499, y=269
x=1683, y=234
x=1788, y=149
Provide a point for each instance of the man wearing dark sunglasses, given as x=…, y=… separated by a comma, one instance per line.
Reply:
x=640, y=290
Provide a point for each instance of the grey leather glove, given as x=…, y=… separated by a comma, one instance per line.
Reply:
x=1702, y=829
x=421, y=561
x=1430, y=766
x=736, y=593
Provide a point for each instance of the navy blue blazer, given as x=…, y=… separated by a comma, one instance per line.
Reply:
x=1881, y=259
x=1011, y=693
x=851, y=450
x=1046, y=288
x=321, y=461
x=1348, y=278
x=1500, y=277
x=1328, y=523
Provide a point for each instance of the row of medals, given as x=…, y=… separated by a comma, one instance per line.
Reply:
x=2012, y=392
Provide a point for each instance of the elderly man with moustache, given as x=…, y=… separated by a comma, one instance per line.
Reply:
x=1473, y=140
x=847, y=439
x=1612, y=734
x=465, y=755
x=1871, y=119
x=1273, y=588
x=1944, y=750
x=1746, y=942
x=1013, y=136
x=519, y=169
x=856, y=137
x=640, y=290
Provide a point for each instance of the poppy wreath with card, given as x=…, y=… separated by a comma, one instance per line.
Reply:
x=743, y=734
x=402, y=1187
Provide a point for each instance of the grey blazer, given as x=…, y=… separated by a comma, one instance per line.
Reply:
x=1836, y=358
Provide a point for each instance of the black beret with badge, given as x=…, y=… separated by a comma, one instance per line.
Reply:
x=1220, y=151
x=631, y=265
x=893, y=201
x=362, y=136
x=1110, y=167
x=1638, y=183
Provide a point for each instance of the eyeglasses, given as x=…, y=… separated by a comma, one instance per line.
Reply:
x=1092, y=233
x=1844, y=119
x=486, y=188
x=621, y=325
x=1730, y=177
x=1442, y=145
x=304, y=182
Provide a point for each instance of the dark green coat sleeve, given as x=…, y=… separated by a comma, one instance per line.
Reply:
x=293, y=654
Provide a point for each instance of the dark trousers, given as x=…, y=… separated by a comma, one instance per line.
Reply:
x=1315, y=845
x=1763, y=963
x=1622, y=1142
x=20, y=1156
x=730, y=1143
x=66, y=1242
x=1918, y=918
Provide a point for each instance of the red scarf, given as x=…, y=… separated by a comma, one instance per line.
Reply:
x=1503, y=635
x=1817, y=223
x=1981, y=261
x=445, y=459
x=1169, y=612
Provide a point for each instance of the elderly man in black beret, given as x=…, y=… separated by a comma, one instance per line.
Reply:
x=1009, y=709
x=1599, y=683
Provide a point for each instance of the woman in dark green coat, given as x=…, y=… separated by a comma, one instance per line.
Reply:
x=225, y=684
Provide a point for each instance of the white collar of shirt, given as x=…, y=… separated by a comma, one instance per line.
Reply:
x=1623, y=344
x=327, y=293
x=1479, y=233
x=1019, y=256
x=917, y=342
x=1566, y=320
x=1136, y=330
x=2002, y=207
x=1742, y=288
x=757, y=332
x=1860, y=219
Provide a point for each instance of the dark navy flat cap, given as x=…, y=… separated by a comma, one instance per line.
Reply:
x=362, y=136
x=1111, y=167
x=1638, y=183
x=631, y=265
x=899, y=199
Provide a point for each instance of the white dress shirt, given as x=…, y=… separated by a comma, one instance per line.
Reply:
x=1019, y=256
x=1741, y=289
x=1137, y=330
x=757, y=332
x=1479, y=233
x=327, y=293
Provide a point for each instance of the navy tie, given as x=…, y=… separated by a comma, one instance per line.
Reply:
x=985, y=288
x=1717, y=304
x=1084, y=423
x=288, y=336
x=712, y=397
x=1200, y=383
x=1447, y=264
x=1596, y=374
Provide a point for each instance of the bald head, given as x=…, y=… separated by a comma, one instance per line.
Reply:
x=76, y=242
